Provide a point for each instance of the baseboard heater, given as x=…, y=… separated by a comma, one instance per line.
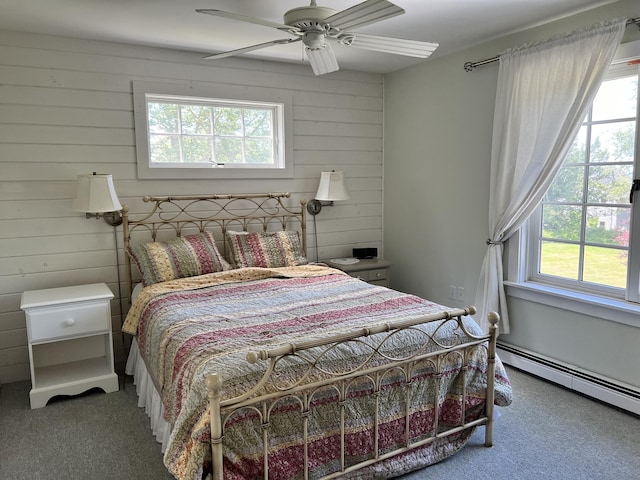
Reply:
x=588, y=383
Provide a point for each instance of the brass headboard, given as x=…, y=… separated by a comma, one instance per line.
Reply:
x=175, y=215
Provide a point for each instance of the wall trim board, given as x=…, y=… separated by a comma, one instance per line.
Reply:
x=608, y=390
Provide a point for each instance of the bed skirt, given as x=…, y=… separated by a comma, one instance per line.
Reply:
x=148, y=397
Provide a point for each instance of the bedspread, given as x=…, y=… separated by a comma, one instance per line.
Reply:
x=192, y=327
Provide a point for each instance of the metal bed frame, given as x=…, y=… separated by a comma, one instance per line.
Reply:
x=180, y=214
x=262, y=401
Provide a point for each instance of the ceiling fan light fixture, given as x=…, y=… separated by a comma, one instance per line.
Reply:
x=322, y=60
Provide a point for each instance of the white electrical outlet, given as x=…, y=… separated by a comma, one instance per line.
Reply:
x=460, y=294
x=452, y=292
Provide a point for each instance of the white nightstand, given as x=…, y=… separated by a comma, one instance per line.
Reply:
x=70, y=342
x=371, y=270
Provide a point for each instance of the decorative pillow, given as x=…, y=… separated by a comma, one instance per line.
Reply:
x=266, y=249
x=181, y=257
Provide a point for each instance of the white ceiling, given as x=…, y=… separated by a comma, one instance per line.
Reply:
x=454, y=24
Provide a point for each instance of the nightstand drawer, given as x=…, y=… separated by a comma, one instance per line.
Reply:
x=371, y=270
x=67, y=320
x=370, y=275
x=378, y=274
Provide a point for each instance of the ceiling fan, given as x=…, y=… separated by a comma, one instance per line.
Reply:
x=314, y=25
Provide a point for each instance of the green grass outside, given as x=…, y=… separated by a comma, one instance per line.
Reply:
x=605, y=266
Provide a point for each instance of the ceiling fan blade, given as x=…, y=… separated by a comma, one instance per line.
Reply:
x=398, y=46
x=363, y=14
x=322, y=60
x=240, y=51
x=245, y=18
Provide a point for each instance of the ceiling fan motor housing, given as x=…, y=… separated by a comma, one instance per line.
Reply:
x=305, y=16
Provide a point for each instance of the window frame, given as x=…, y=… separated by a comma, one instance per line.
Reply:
x=534, y=224
x=520, y=258
x=222, y=94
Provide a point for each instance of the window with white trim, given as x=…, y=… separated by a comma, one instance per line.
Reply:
x=195, y=135
x=585, y=236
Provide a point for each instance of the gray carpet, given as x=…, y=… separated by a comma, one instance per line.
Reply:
x=548, y=433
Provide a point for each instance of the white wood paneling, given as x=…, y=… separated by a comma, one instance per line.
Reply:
x=66, y=108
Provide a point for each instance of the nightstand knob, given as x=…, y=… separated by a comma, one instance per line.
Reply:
x=70, y=322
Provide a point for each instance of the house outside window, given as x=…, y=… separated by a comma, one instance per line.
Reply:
x=585, y=236
x=187, y=132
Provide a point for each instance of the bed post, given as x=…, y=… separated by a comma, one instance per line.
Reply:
x=493, y=318
x=214, y=383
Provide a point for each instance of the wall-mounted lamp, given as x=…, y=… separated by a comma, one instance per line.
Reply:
x=96, y=196
x=331, y=189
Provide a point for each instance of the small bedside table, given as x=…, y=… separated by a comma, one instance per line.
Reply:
x=371, y=270
x=70, y=341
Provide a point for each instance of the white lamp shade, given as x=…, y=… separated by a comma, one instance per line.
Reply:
x=332, y=187
x=95, y=194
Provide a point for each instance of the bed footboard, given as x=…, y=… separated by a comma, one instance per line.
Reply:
x=311, y=359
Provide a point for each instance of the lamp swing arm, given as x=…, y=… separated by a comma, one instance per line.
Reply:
x=331, y=188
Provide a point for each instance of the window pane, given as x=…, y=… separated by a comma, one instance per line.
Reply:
x=164, y=148
x=606, y=266
x=228, y=150
x=163, y=118
x=228, y=121
x=257, y=123
x=609, y=183
x=197, y=149
x=578, y=151
x=612, y=142
x=560, y=259
x=259, y=150
x=561, y=222
x=196, y=120
x=608, y=226
x=616, y=99
x=567, y=186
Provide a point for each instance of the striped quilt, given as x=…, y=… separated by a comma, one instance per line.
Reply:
x=192, y=327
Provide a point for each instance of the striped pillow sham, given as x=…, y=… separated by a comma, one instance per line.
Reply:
x=266, y=249
x=181, y=257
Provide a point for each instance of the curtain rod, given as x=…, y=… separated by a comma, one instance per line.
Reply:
x=469, y=66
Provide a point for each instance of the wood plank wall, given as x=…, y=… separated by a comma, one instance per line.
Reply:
x=66, y=109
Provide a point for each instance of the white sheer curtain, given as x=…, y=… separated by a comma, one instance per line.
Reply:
x=543, y=94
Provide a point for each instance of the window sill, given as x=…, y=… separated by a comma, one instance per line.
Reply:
x=619, y=311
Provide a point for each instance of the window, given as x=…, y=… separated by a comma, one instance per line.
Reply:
x=199, y=135
x=188, y=132
x=581, y=237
